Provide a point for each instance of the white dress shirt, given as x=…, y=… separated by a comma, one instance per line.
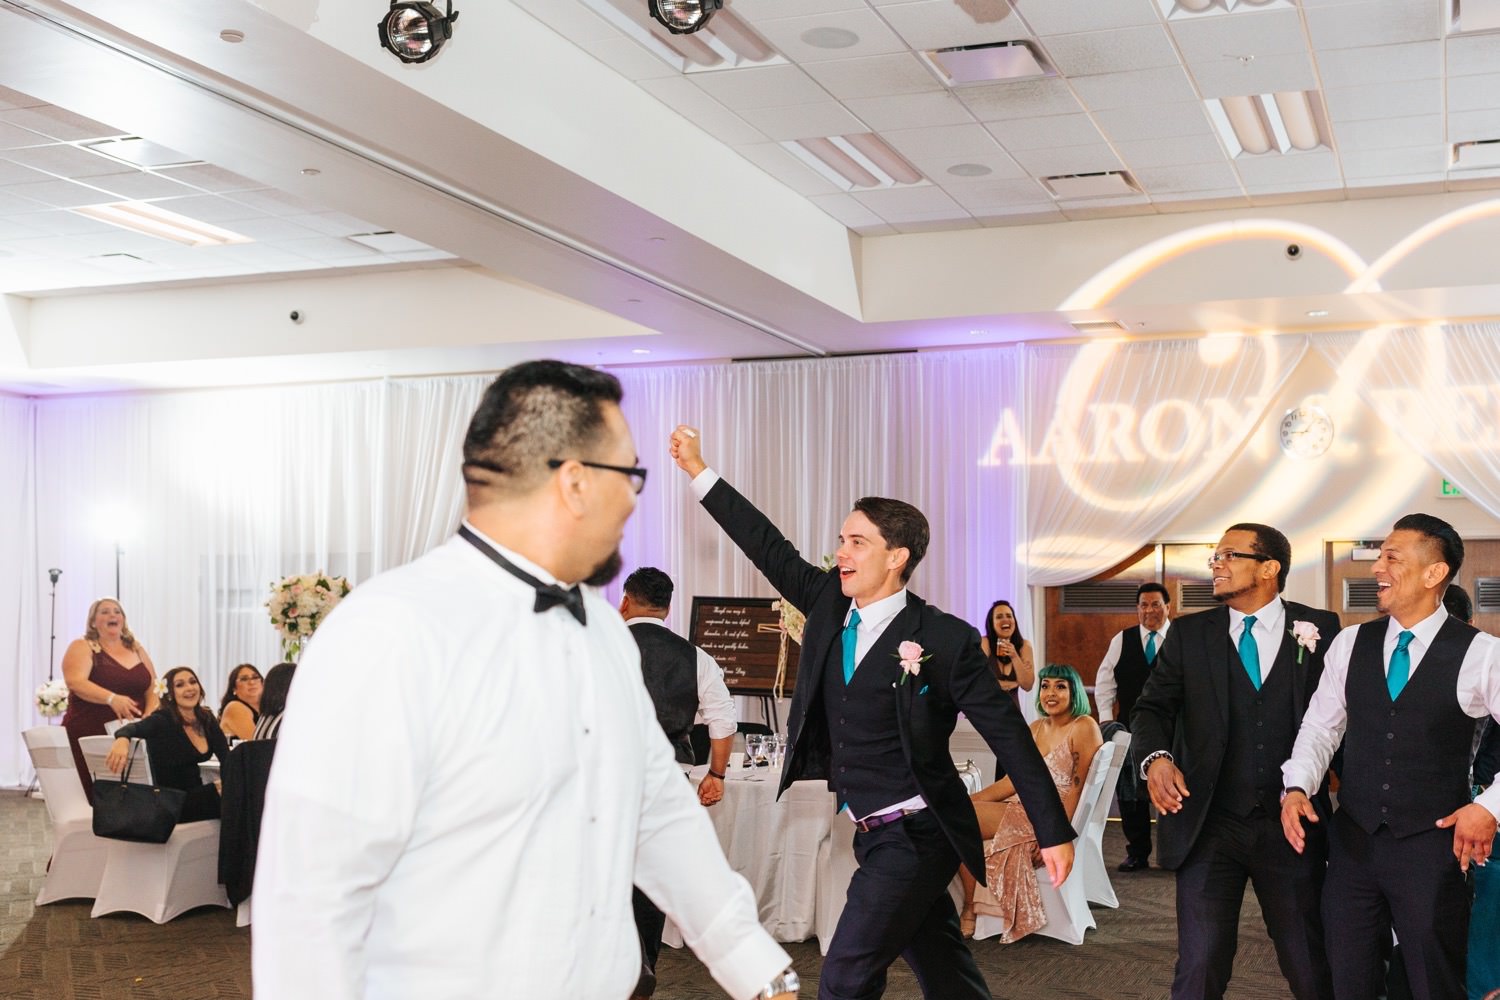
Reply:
x=1106, y=690
x=464, y=793
x=715, y=704
x=1478, y=693
x=1269, y=629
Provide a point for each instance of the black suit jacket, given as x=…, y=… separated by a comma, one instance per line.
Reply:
x=956, y=678
x=1184, y=709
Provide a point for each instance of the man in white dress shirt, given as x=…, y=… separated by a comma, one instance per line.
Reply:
x=1401, y=693
x=470, y=775
x=1118, y=683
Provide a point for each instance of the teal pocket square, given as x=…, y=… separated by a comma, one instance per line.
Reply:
x=923, y=691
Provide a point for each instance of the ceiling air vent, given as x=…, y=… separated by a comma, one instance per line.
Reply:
x=997, y=62
x=1359, y=594
x=1195, y=595
x=1486, y=594
x=1108, y=184
x=1104, y=597
x=1481, y=155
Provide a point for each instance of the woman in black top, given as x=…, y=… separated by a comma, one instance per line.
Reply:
x=240, y=709
x=1009, y=654
x=273, y=702
x=179, y=736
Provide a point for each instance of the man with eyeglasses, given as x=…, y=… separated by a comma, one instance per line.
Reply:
x=469, y=818
x=1218, y=715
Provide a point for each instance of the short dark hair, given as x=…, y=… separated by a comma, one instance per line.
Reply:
x=901, y=525
x=1153, y=588
x=534, y=412
x=650, y=586
x=1456, y=599
x=1269, y=542
x=1450, y=546
x=278, y=686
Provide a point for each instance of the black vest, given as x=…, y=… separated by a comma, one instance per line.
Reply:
x=1131, y=671
x=1262, y=728
x=868, y=769
x=669, y=666
x=1406, y=764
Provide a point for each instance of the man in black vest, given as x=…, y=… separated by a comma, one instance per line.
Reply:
x=1218, y=714
x=684, y=682
x=882, y=679
x=1118, y=683
x=1402, y=693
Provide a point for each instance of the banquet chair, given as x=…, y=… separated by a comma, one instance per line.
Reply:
x=96, y=749
x=1090, y=855
x=244, y=778
x=1067, y=907
x=77, y=864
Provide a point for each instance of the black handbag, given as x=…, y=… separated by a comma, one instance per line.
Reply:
x=141, y=813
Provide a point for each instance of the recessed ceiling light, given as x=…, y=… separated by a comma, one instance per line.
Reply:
x=633, y=301
x=969, y=170
x=310, y=171
x=639, y=350
x=1317, y=313
x=153, y=220
x=232, y=35
x=830, y=38
x=657, y=239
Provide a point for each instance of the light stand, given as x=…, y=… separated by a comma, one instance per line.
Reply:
x=52, y=574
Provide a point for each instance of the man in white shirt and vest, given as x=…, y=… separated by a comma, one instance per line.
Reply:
x=1120, y=678
x=1401, y=693
x=470, y=774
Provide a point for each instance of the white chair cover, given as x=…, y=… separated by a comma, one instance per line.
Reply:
x=96, y=749
x=1090, y=853
x=78, y=857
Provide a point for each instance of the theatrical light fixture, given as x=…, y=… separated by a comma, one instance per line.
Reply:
x=683, y=17
x=414, y=30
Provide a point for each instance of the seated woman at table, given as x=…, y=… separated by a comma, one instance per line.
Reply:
x=273, y=700
x=179, y=736
x=240, y=709
x=1068, y=738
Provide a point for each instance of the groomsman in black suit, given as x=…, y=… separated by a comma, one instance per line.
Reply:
x=882, y=679
x=1218, y=714
x=1401, y=693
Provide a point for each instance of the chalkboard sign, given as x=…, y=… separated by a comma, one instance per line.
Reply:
x=743, y=634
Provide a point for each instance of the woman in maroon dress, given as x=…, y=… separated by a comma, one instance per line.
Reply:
x=109, y=676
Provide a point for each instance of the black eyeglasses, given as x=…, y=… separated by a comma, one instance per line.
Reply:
x=1218, y=557
x=637, y=475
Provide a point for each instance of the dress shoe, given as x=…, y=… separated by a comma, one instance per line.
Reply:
x=1133, y=864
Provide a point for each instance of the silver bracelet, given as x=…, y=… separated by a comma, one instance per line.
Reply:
x=1146, y=764
x=787, y=982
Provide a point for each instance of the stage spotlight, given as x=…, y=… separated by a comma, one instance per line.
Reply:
x=413, y=30
x=683, y=17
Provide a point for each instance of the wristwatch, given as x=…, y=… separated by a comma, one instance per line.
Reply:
x=787, y=982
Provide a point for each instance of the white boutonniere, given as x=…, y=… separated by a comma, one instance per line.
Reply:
x=1306, y=634
x=911, y=656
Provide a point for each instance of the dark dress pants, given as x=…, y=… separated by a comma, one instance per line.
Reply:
x=1375, y=882
x=1135, y=822
x=898, y=906
x=1230, y=851
x=649, y=923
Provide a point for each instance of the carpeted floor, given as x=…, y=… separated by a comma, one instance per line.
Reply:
x=57, y=953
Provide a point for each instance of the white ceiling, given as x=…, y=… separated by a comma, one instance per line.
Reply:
x=554, y=151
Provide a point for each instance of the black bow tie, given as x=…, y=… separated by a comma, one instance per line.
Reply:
x=548, y=595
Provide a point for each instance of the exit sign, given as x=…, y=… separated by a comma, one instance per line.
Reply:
x=1448, y=488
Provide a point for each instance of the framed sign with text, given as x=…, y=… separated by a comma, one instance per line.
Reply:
x=744, y=635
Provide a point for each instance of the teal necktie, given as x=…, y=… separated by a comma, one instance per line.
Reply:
x=1396, y=677
x=851, y=636
x=1150, y=649
x=1250, y=652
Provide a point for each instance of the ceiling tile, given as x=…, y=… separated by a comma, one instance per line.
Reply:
x=1383, y=188
x=934, y=150
x=15, y=99
x=1085, y=210
x=209, y=177
x=805, y=121
x=322, y=249
x=1479, y=53
x=573, y=21
x=209, y=208
x=16, y=137
x=910, y=111
x=1041, y=133
x=882, y=229
x=268, y=229
x=874, y=37
x=1172, y=151
x=1160, y=122
x=1419, y=130
x=1294, y=194
x=911, y=204
x=777, y=161
x=1474, y=93
x=1230, y=77
x=1163, y=85
x=847, y=210
x=1474, y=126
x=1385, y=100
x=760, y=87
x=14, y=173
x=1382, y=63
x=937, y=24
x=1119, y=50
x=1068, y=160
x=273, y=202
x=996, y=197
x=55, y=223
x=1170, y=179
x=765, y=10
x=59, y=124
x=1021, y=216
x=1261, y=33
x=683, y=96
x=1020, y=99
x=64, y=161
x=1289, y=168
x=938, y=167
x=937, y=225
x=333, y=223
x=1057, y=17
x=1201, y=201
x=875, y=76
x=625, y=56
x=1386, y=23
x=13, y=203
x=138, y=185
x=1394, y=162
x=60, y=194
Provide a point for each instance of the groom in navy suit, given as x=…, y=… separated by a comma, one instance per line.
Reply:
x=882, y=679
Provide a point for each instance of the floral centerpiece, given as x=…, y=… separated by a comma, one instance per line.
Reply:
x=299, y=604
x=52, y=698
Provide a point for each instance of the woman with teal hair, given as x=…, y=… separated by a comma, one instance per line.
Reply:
x=1068, y=737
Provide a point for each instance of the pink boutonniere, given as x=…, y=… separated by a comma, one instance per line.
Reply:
x=1306, y=634
x=911, y=656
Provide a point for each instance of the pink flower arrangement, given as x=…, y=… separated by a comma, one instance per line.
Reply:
x=299, y=603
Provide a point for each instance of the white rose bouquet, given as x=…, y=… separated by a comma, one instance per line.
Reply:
x=52, y=698
x=298, y=605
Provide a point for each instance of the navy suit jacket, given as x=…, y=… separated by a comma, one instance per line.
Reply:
x=956, y=678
